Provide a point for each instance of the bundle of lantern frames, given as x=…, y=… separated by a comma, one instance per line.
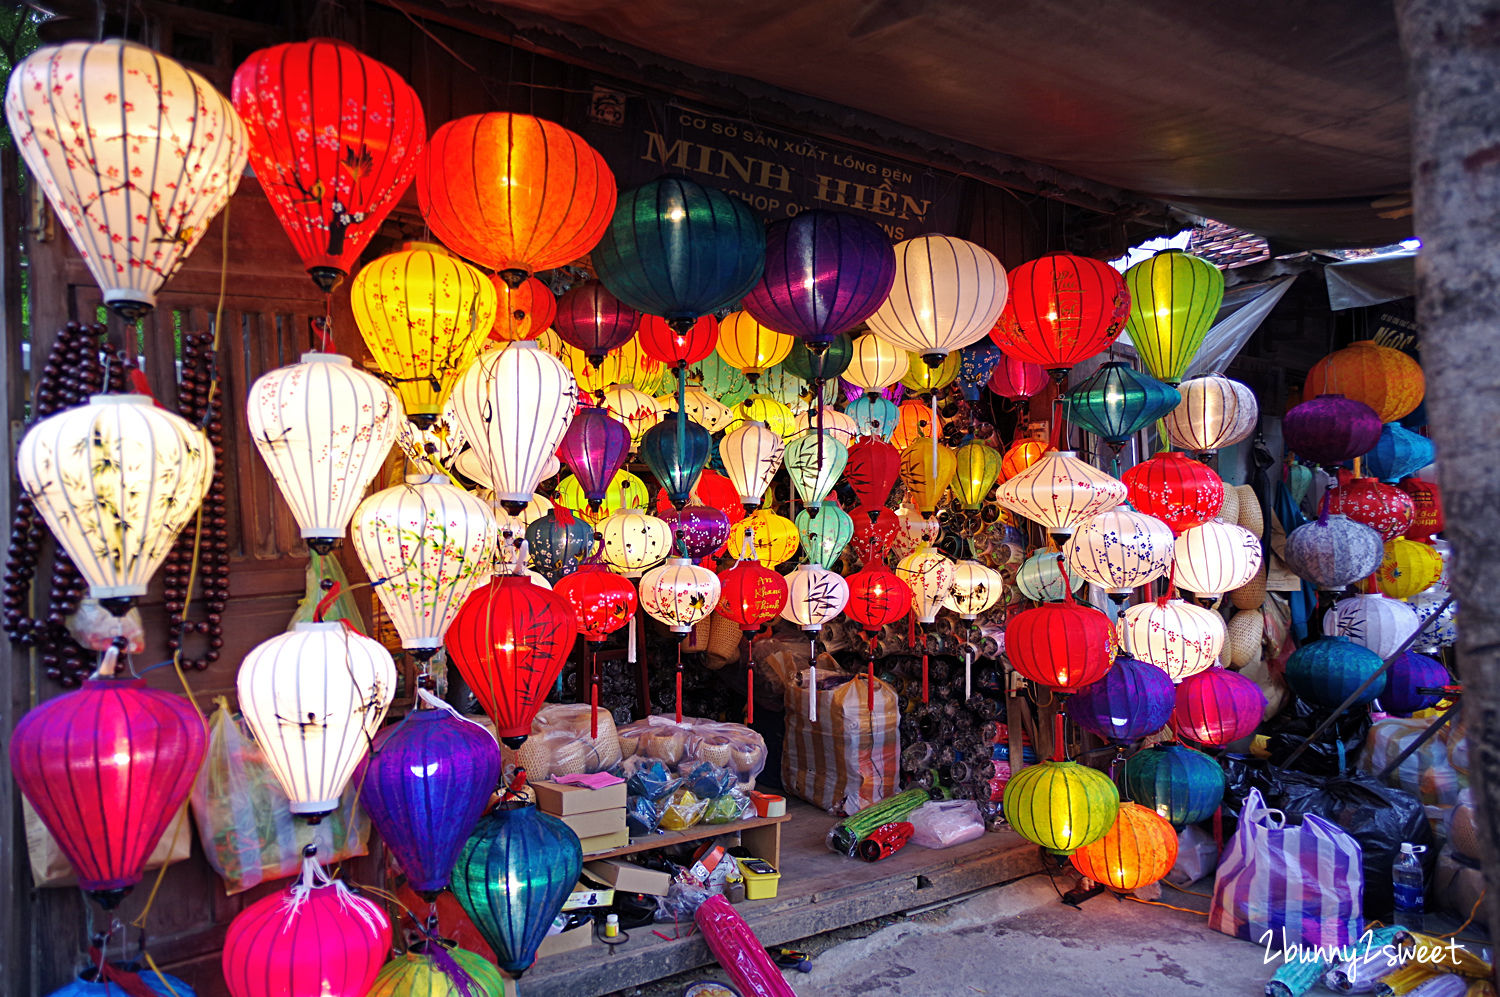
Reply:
x=623, y=354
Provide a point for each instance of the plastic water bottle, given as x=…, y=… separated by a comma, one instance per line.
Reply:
x=1408, y=886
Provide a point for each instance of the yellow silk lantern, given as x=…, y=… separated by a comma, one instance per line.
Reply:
x=875, y=364
x=750, y=346
x=775, y=537
x=1061, y=806
x=1138, y=850
x=626, y=491
x=976, y=472
x=627, y=363
x=927, y=469
x=763, y=408
x=1408, y=568
x=632, y=406
x=922, y=378
x=1174, y=299
x=424, y=314
x=840, y=425
x=913, y=419
x=1387, y=380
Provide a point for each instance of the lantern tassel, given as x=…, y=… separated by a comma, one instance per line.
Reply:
x=630, y=640
x=679, y=683
x=750, y=678
x=315, y=877
x=593, y=694
x=812, y=680
x=463, y=984
x=870, y=677
x=1059, y=743
x=968, y=671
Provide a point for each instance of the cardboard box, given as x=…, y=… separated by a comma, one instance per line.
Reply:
x=561, y=800
x=604, y=842
x=587, y=895
x=597, y=822
x=580, y=937
x=629, y=878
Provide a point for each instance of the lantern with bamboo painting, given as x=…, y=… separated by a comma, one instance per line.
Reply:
x=1174, y=299
x=947, y=293
x=1138, y=850
x=815, y=596
x=752, y=454
x=927, y=469
x=1062, y=309
x=815, y=461
x=877, y=597
x=1372, y=620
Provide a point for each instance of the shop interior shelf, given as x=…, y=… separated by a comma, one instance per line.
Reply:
x=762, y=835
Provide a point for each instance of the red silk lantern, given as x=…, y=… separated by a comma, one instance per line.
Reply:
x=877, y=597
x=1384, y=508
x=510, y=640
x=1017, y=379
x=1019, y=457
x=872, y=470
x=1427, y=508
x=751, y=595
x=107, y=768
x=515, y=193
x=1062, y=309
x=602, y=600
x=1138, y=850
x=876, y=530
x=335, y=137
x=1060, y=645
x=1217, y=706
x=1176, y=489
x=522, y=312
x=673, y=348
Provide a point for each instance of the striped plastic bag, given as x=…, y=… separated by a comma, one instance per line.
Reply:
x=1302, y=884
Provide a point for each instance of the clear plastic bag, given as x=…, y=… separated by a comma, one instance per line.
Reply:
x=944, y=823
x=730, y=746
x=649, y=778
x=96, y=628
x=682, y=811
x=732, y=806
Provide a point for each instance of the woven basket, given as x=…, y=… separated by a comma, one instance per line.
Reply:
x=546, y=756
x=1231, y=511
x=1251, y=594
x=1250, y=517
x=1244, y=635
x=724, y=639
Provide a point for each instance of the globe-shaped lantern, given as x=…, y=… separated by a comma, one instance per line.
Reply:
x=752, y=454
x=1060, y=645
x=1120, y=550
x=595, y=446
x=814, y=462
x=1116, y=402
x=750, y=346
x=558, y=541
x=514, y=193
x=874, y=416
x=978, y=364
x=976, y=589
x=1017, y=379
x=1179, y=638
x=1059, y=492
x=1217, y=706
x=978, y=468
x=676, y=449
x=773, y=537
x=1020, y=456
x=1384, y=508
x=750, y=594
x=930, y=576
x=875, y=363
x=1063, y=309
x=1180, y=784
x=947, y=293
x=824, y=532
x=1042, y=578
x=1387, y=380
x=1330, y=429
x=1327, y=671
x=112, y=128
x=1061, y=806
x=1216, y=557
x=678, y=349
x=602, y=601
x=1399, y=453
x=1375, y=621
x=679, y=594
x=827, y=365
x=815, y=596
x=1138, y=850
x=877, y=596
x=1427, y=508
x=1174, y=299
x=1408, y=567
x=877, y=530
x=593, y=321
x=1333, y=552
x=421, y=973
x=635, y=541
x=914, y=420
x=522, y=312
x=1215, y=412
x=927, y=469
x=1409, y=682
x=1132, y=700
x=697, y=530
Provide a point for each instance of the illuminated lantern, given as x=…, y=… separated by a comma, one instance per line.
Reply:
x=678, y=249
x=1374, y=621
x=764, y=409
x=1174, y=299
x=632, y=406
x=602, y=601
x=1333, y=552
x=1330, y=429
x=1120, y=550
x=595, y=446
x=1021, y=456
x=1384, y=508
x=112, y=129
x=514, y=405
x=877, y=597
x=626, y=364
x=512, y=878
x=1399, y=453
x=1062, y=309
x=313, y=697
x=107, y=769
x=1408, y=567
x=977, y=362
x=676, y=449
x=1060, y=645
x=1328, y=670
x=1132, y=700
x=522, y=312
x=1059, y=492
x=425, y=783
x=815, y=596
x=679, y=594
x=428, y=545
x=814, y=462
x=929, y=575
x=1409, y=674
x=702, y=408
x=824, y=531
x=510, y=642
x=1427, y=508
x=1061, y=806
x=1179, y=638
x=674, y=348
x=625, y=491
x=775, y=537
x=750, y=594
x=914, y=420
x=916, y=529
x=1116, y=402
x=752, y=455
x=558, y=544
x=924, y=379
x=1176, y=489
x=927, y=468
x=874, y=416
x=1180, y=784
x=1140, y=849
x=635, y=541
x=424, y=315
x=697, y=530
x=721, y=379
x=116, y=480
x=872, y=470
x=827, y=365
x=876, y=529
x=875, y=364
x=976, y=589
x=1217, y=706
x=977, y=470
x=947, y=293
x=1215, y=412
x=335, y=138
x=1387, y=380
x=514, y=193
x=750, y=346
x=419, y=974
x=1216, y=557
x=316, y=937
x=593, y=321
x=1041, y=578
x=835, y=423
x=1017, y=379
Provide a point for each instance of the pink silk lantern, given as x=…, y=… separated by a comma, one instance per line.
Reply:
x=1017, y=379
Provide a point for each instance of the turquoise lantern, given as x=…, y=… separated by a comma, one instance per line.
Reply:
x=825, y=532
x=558, y=544
x=1328, y=670
x=676, y=449
x=723, y=380
x=1041, y=578
x=1399, y=453
x=833, y=361
x=1180, y=784
x=874, y=415
x=1116, y=402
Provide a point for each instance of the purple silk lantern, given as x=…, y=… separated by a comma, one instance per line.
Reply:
x=1330, y=429
x=826, y=272
x=425, y=783
x=595, y=446
x=593, y=320
x=853, y=392
x=1133, y=699
x=697, y=530
x=1409, y=673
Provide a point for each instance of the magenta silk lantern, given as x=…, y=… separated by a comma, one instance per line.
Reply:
x=1217, y=706
x=595, y=446
x=594, y=321
x=1017, y=379
x=1330, y=429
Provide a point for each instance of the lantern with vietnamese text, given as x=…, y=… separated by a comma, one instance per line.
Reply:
x=1174, y=299
x=1060, y=805
x=1427, y=508
x=1217, y=706
x=1215, y=412
x=1176, y=489
x=1063, y=309
x=1179, y=638
x=1386, y=379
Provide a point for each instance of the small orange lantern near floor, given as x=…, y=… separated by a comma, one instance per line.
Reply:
x=1137, y=851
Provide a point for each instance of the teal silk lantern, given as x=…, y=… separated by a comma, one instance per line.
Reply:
x=1116, y=402
x=722, y=379
x=824, y=531
x=558, y=543
x=512, y=878
x=833, y=361
x=1180, y=784
x=1399, y=453
x=1328, y=670
x=676, y=454
x=874, y=415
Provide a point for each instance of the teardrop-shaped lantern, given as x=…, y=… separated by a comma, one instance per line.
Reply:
x=927, y=469
x=752, y=454
x=602, y=600
x=815, y=596
x=978, y=468
x=1176, y=489
x=1216, y=557
x=675, y=348
x=873, y=469
x=677, y=452
x=824, y=531
x=1062, y=309
x=1179, y=638
x=135, y=152
x=1174, y=299
x=697, y=530
x=116, y=480
x=522, y=312
x=592, y=320
x=595, y=447
x=930, y=576
x=976, y=589
x=635, y=541
x=1060, y=492
x=679, y=594
x=1120, y=550
x=323, y=427
x=1132, y=700
x=1116, y=402
x=773, y=536
x=947, y=293
x=814, y=463
x=1215, y=412
x=313, y=698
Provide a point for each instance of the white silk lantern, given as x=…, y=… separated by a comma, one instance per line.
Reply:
x=1060, y=492
x=948, y=294
x=1375, y=621
x=815, y=596
x=1120, y=550
x=976, y=589
x=1179, y=638
x=875, y=364
x=842, y=427
x=1216, y=557
x=930, y=576
x=752, y=455
x=1215, y=412
x=679, y=594
x=632, y=406
x=635, y=541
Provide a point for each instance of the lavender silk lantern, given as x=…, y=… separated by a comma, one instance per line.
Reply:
x=594, y=321
x=1330, y=429
x=595, y=446
x=697, y=530
x=425, y=783
x=1332, y=552
x=1133, y=699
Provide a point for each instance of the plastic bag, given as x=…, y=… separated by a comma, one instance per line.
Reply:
x=850, y=757
x=50, y=867
x=1334, y=751
x=1426, y=772
x=96, y=628
x=732, y=806
x=708, y=781
x=682, y=811
x=685, y=745
x=1197, y=856
x=649, y=778
x=561, y=743
x=944, y=823
x=642, y=816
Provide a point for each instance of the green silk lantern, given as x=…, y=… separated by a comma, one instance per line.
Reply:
x=826, y=366
x=677, y=453
x=978, y=470
x=814, y=461
x=722, y=380
x=824, y=533
x=1174, y=299
x=1116, y=402
x=1060, y=805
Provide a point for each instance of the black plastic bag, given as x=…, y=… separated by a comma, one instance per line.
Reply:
x=1331, y=754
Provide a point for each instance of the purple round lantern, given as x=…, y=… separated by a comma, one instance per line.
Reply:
x=1133, y=699
x=1330, y=429
x=1409, y=673
x=1217, y=706
x=697, y=530
x=826, y=272
x=595, y=446
x=425, y=783
x=594, y=321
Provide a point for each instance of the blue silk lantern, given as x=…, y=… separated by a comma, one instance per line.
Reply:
x=557, y=546
x=1399, y=453
x=824, y=532
x=1133, y=699
x=1326, y=671
x=425, y=783
x=874, y=415
x=825, y=272
x=1180, y=784
x=1408, y=673
x=88, y=983
x=833, y=361
x=512, y=878
x=1116, y=402
x=678, y=249
x=595, y=446
x=974, y=370
x=676, y=449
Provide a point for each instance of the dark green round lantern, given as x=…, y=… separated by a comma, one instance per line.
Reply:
x=557, y=546
x=1180, y=784
x=1116, y=402
x=676, y=449
x=1328, y=670
x=833, y=361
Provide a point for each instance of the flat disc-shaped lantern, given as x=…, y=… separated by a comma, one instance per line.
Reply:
x=335, y=138
x=1333, y=552
x=324, y=428
x=976, y=588
x=1020, y=456
x=1062, y=309
x=675, y=348
x=1060, y=645
x=1059, y=492
x=697, y=530
x=874, y=416
x=978, y=363
x=773, y=536
x=1061, y=806
x=947, y=293
x=135, y=152
x=514, y=405
x=815, y=596
x=1042, y=579
x=679, y=594
x=1409, y=674
x=824, y=531
x=1132, y=700
x=514, y=193
x=593, y=321
x=1017, y=379
x=1384, y=508
x=522, y=312
x=1215, y=412
x=930, y=576
x=425, y=783
x=825, y=272
x=1116, y=402
x=107, y=768
x=1174, y=299
x=1386, y=379
x=602, y=600
x=1120, y=550
x=510, y=641
x=1216, y=557
x=1330, y=429
x=1375, y=621
x=875, y=364
x=427, y=545
x=635, y=541
x=595, y=446
x=116, y=480
x=1328, y=670
x=1408, y=567
x=1176, y=489
x=1180, y=784
x=927, y=469
x=752, y=454
x=558, y=541
x=678, y=249
x=676, y=451
x=978, y=468
x=1399, y=453
x=634, y=407
x=1179, y=638
x=750, y=346
x=313, y=698
x=815, y=461
x=1217, y=706
x=1138, y=850
x=702, y=408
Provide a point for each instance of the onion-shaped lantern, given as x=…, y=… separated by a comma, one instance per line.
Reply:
x=1375, y=621
x=1215, y=412
x=1216, y=557
x=877, y=596
x=1116, y=402
x=1061, y=806
x=1174, y=299
x=1333, y=552
x=1179, y=638
x=1063, y=309
x=1408, y=567
x=1132, y=700
x=1176, y=489
x=421, y=973
x=1327, y=671
x=676, y=449
x=1180, y=784
x=1060, y=492
x=1120, y=550
x=679, y=594
x=1138, y=850
x=1330, y=429
x=1386, y=379
x=1217, y=706
x=947, y=293
x=752, y=454
x=593, y=321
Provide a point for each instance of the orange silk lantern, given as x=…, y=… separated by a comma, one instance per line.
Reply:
x=1387, y=380
x=522, y=312
x=913, y=421
x=1137, y=851
x=1021, y=456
